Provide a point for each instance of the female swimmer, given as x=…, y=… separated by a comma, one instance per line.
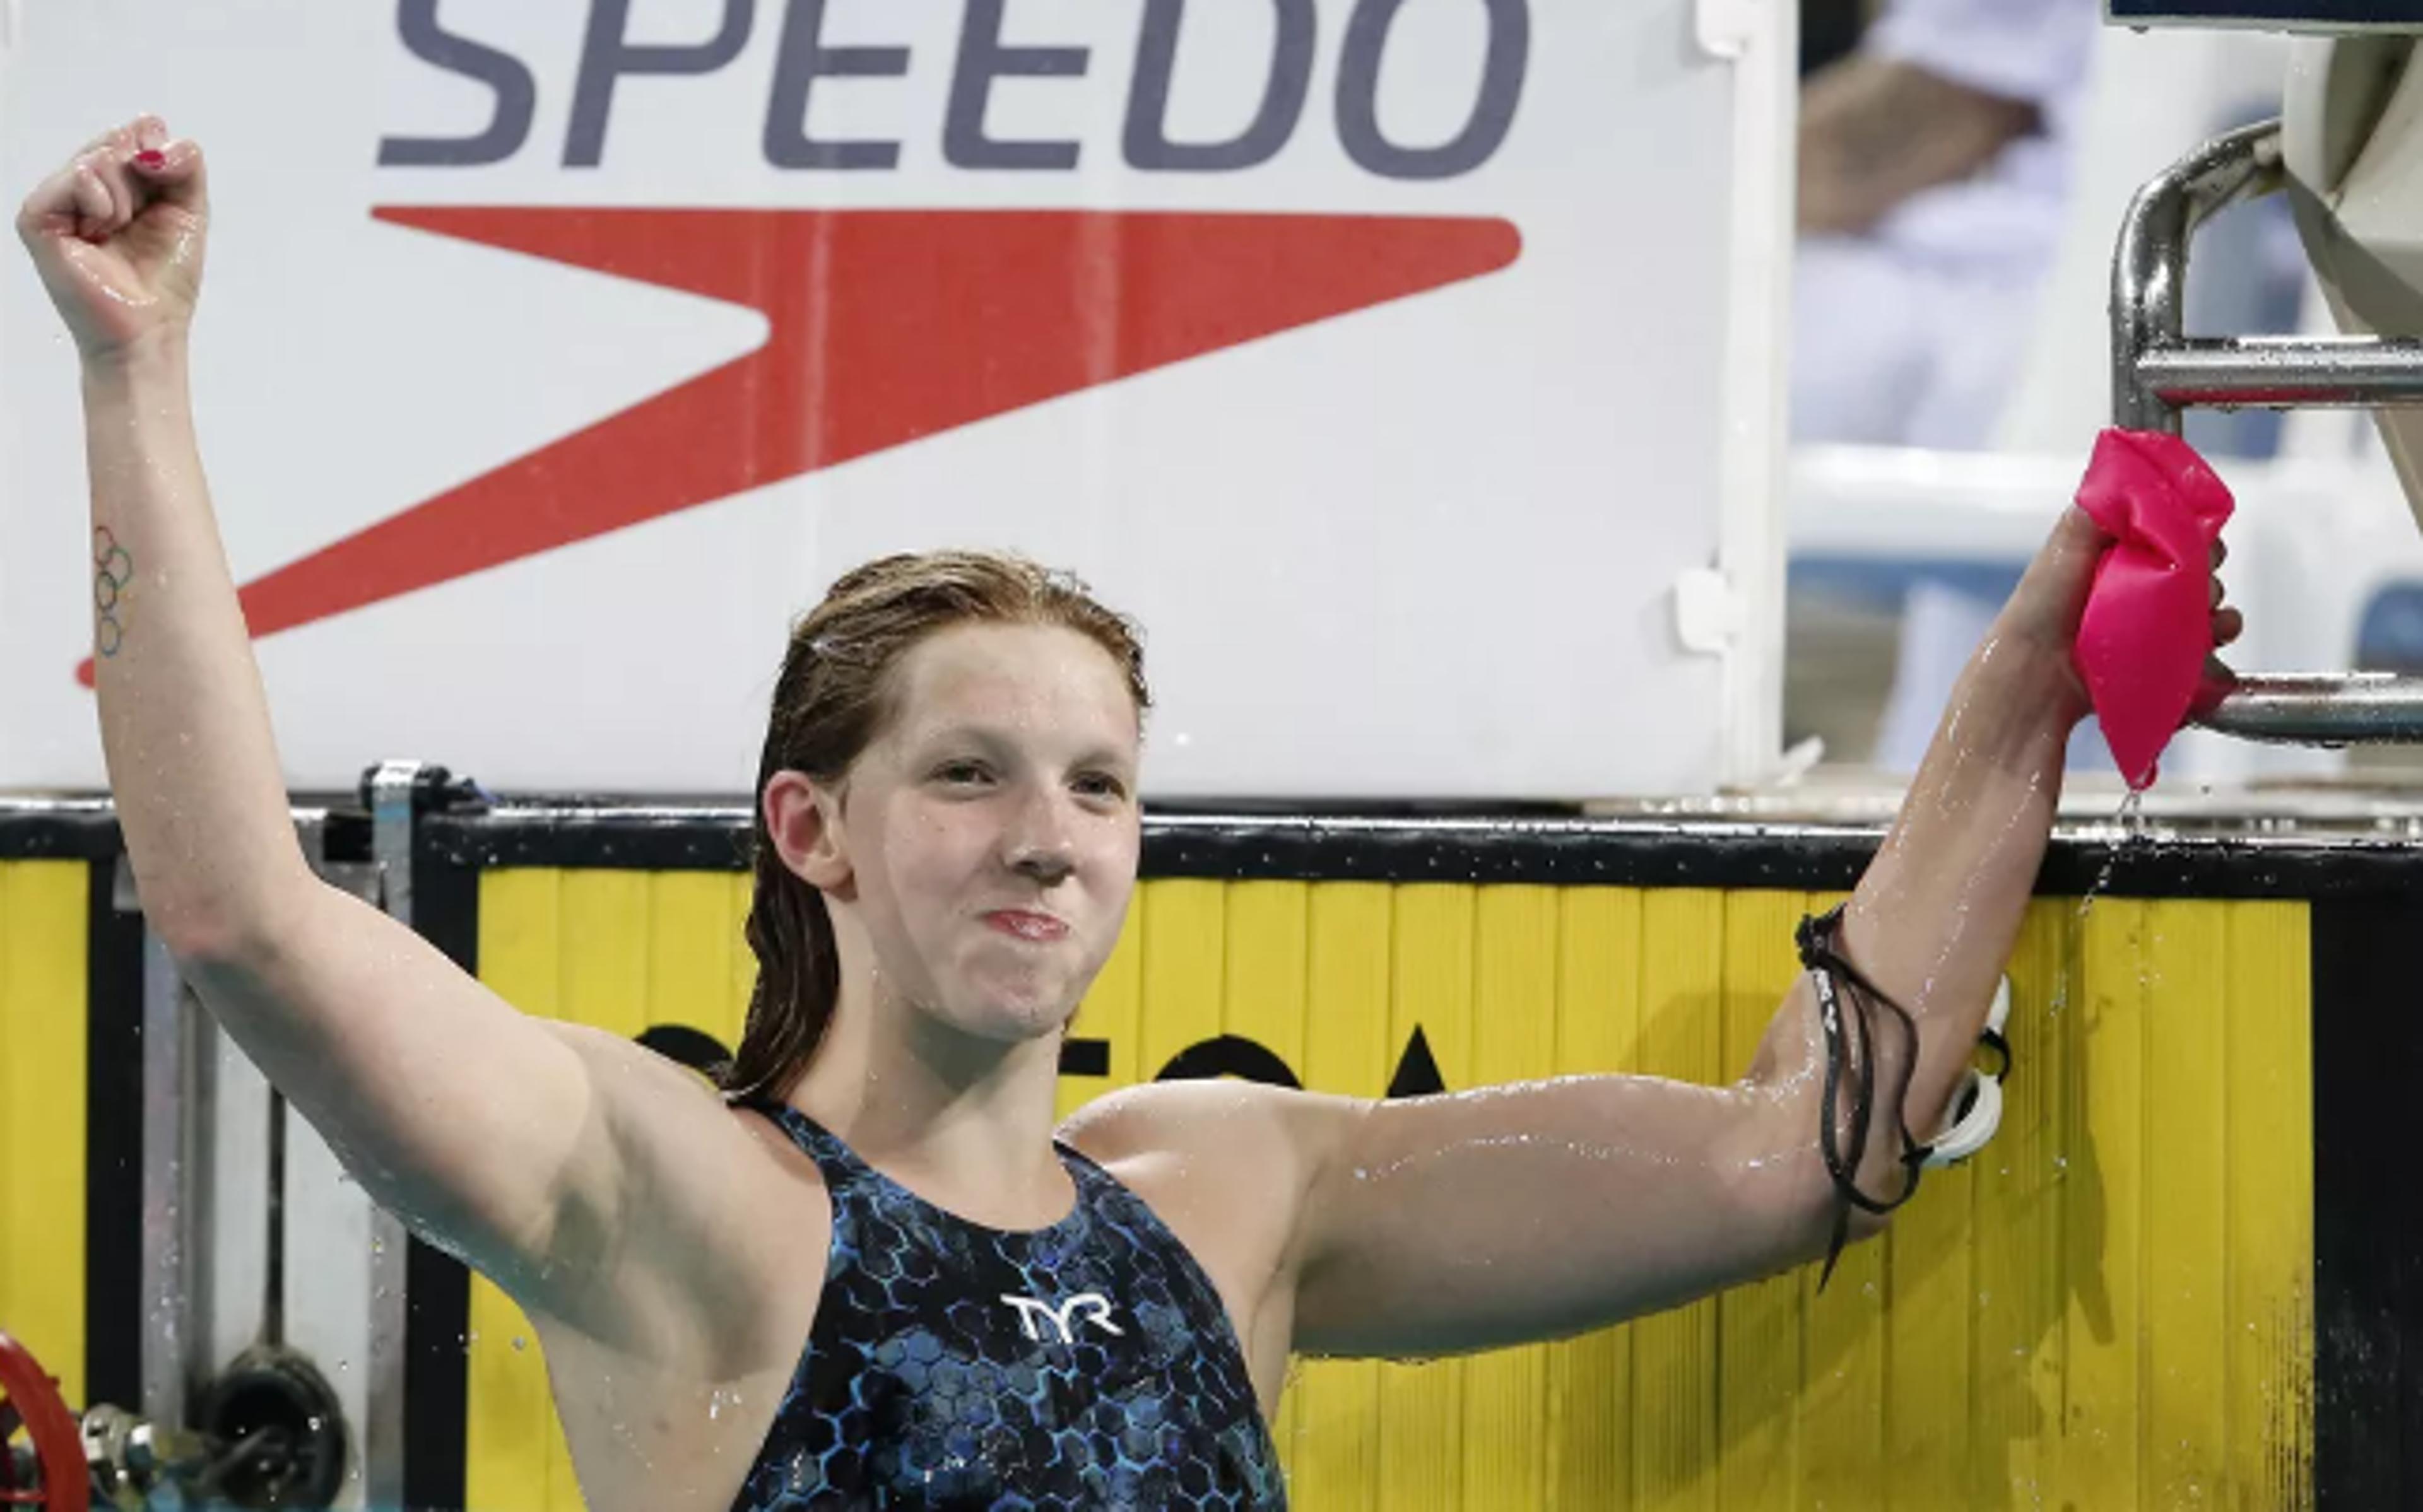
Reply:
x=870, y=1271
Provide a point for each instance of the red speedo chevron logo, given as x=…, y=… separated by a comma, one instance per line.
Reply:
x=886, y=327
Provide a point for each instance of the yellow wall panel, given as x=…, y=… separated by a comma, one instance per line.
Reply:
x=521, y=939
x=1930, y=1253
x=1758, y=1333
x=606, y=981
x=1421, y=1405
x=2021, y=1182
x=1598, y=1029
x=1332, y=1449
x=1110, y=1013
x=1930, y=1290
x=43, y=1034
x=2269, y=1205
x=1674, y=1396
x=1267, y=944
x=2186, y=1293
x=693, y=938
x=1185, y=930
x=1505, y=1427
x=2103, y=1215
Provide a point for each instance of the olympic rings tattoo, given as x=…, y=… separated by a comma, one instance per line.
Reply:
x=113, y=574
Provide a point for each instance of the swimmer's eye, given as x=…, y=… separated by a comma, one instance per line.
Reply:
x=962, y=774
x=1100, y=785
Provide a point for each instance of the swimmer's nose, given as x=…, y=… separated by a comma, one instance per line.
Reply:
x=1036, y=844
x=1043, y=867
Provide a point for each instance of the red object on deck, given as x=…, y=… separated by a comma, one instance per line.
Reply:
x=30, y=1399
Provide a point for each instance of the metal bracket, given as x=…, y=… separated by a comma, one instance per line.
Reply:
x=2158, y=372
x=393, y=788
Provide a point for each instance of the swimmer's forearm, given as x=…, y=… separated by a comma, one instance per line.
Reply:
x=184, y=725
x=1938, y=911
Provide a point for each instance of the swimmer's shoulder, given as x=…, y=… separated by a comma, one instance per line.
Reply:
x=1197, y=1116
x=1218, y=1156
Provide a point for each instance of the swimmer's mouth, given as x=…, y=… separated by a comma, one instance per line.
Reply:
x=1038, y=927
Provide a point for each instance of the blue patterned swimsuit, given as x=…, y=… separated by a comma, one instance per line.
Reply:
x=952, y=1366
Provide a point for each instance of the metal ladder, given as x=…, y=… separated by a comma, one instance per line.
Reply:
x=2158, y=372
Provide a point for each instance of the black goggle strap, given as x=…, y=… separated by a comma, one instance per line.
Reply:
x=1837, y=979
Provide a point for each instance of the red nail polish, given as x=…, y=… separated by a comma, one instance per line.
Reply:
x=151, y=160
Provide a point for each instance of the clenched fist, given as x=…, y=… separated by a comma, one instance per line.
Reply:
x=116, y=234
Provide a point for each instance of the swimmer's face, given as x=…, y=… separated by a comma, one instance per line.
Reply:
x=993, y=828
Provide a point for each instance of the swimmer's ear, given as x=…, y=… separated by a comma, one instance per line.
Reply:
x=805, y=822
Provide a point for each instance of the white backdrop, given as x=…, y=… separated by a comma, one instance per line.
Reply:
x=1426, y=546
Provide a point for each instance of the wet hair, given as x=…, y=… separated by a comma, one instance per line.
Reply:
x=837, y=691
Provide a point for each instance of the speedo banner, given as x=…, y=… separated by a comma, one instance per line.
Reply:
x=1408, y=368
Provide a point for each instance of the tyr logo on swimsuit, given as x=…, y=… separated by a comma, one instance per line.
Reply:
x=1063, y=1319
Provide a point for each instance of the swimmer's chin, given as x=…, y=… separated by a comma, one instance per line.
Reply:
x=1009, y=1019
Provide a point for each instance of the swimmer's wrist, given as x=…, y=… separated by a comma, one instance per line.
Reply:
x=2033, y=675
x=152, y=358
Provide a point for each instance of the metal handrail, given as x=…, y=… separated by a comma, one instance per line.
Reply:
x=2158, y=371
x=2322, y=708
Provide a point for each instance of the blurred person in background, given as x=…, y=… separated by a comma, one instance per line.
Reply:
x=1934, y=176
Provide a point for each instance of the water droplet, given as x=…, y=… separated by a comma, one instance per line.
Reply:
x=520, y=1343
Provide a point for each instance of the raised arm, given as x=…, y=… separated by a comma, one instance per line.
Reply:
x=479, y=1125
x=1531, y=1211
